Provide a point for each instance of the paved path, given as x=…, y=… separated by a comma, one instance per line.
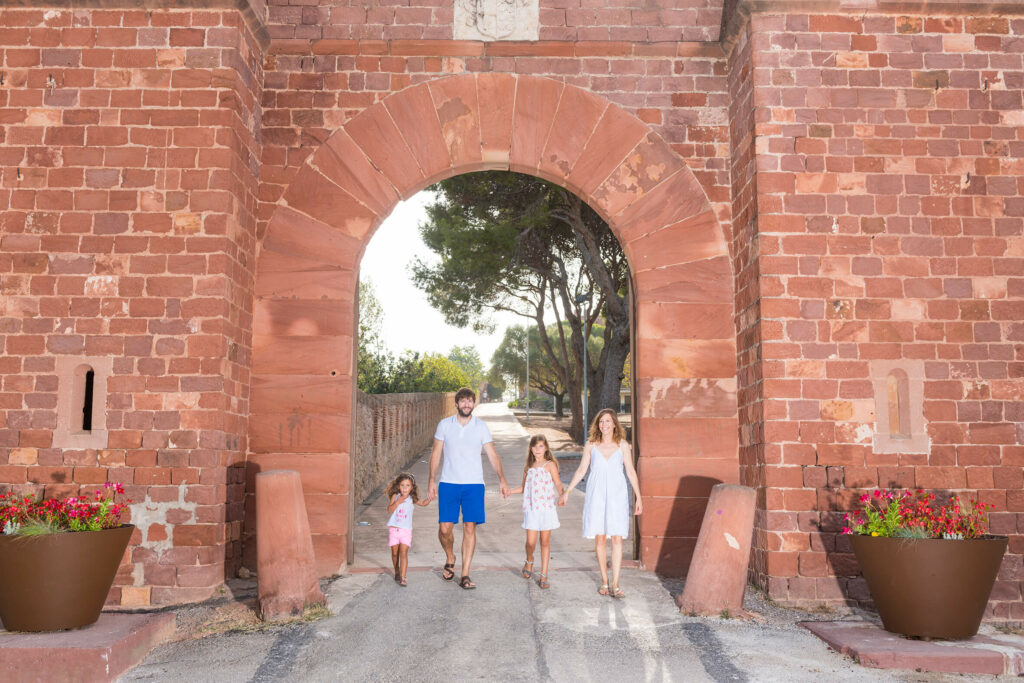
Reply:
x=508, y=629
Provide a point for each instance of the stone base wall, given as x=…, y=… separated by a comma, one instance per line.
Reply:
x=390, y=429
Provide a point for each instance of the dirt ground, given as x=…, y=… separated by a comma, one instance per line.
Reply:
x=557, y=429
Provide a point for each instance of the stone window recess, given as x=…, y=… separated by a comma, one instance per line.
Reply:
x=82, y=402
x=899, y=407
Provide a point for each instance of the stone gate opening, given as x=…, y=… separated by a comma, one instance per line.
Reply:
x=304, y=332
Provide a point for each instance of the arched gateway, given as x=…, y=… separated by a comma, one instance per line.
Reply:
x=307, y=271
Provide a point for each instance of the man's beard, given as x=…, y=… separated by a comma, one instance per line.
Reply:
x=465, y=413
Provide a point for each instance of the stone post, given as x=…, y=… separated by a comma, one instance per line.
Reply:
x=718, y=571
x=287, y=578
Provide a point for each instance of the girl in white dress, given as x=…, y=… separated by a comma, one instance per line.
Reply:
x=540, y=483
x=606, y=505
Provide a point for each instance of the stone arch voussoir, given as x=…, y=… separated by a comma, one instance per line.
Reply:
x=304, y=324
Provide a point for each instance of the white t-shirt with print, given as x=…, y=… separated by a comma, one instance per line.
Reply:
x=402, y=516
x=463, y=448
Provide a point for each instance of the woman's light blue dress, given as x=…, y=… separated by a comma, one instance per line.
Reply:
x=606, y=505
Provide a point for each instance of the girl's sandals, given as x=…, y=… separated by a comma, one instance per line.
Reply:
x=603, y=590
x=527, y=573
x=464, y=582
x=448, y=573
x=543, y=581
x=617, y=592
x=403, y=582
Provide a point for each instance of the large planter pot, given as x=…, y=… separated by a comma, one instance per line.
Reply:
x=58, y=581
x=930, y=587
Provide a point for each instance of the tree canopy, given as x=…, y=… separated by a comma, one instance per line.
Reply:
x=467, y=358
x=511, y=242
x=509, y=361
x=380, y=372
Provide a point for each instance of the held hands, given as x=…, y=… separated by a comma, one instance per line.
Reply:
x=431, y=490
x=505, y=490
x=563, y=498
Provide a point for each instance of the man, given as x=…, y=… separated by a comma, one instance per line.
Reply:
x=461, y=438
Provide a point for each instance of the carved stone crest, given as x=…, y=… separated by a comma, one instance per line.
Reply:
x=493, y=20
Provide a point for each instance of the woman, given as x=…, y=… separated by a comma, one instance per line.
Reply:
x=609, y=459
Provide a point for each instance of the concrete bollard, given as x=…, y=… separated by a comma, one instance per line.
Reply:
x=286, y=579
x=718, y=571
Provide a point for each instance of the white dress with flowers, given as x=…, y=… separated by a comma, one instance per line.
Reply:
x=539, y=500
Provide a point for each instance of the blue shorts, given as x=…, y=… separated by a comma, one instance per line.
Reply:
x=453, y=497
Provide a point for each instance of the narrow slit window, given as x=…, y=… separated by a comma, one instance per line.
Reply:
x=899, y=404
x=90, y=377
x=82, y=402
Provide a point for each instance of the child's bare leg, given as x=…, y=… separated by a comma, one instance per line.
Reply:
x=545, y=551
x=531, y=544
x=394, y=561
x=616, y=560
x=403, y=554
x=602, y=557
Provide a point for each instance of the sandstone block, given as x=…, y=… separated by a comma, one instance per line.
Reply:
x=284, y=546
x=718, y=570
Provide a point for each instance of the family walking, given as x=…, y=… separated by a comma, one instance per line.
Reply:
x=460, y=441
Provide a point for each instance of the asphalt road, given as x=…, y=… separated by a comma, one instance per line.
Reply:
x=508, y=629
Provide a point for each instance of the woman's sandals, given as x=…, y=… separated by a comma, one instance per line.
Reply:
x=448, y=573
x=543, y=581
x=603, y=590
x=617, y=592
x=527, y=573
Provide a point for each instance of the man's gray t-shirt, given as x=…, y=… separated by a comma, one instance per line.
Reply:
x=463, y=463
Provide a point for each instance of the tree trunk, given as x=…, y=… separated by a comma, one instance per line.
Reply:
x=576, y=429
x=559, y=398
x=613, y=357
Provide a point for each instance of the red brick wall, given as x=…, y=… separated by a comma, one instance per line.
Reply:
x=890, y=205
x=869, y=167
x=560, y=20
x=129, y=159
x=745, y=267
x=388, y=431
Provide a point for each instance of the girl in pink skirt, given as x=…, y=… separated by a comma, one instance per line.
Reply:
x=402, y=495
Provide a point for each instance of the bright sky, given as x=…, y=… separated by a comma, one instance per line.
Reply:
x=409, y=321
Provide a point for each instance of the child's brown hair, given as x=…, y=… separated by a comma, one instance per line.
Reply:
x=548, y=455
x=397, y=481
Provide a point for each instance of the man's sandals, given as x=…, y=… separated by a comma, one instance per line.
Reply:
x=464, y=582
x=448, y=573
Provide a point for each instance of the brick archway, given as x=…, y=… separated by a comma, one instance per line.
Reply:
x=307, y=271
